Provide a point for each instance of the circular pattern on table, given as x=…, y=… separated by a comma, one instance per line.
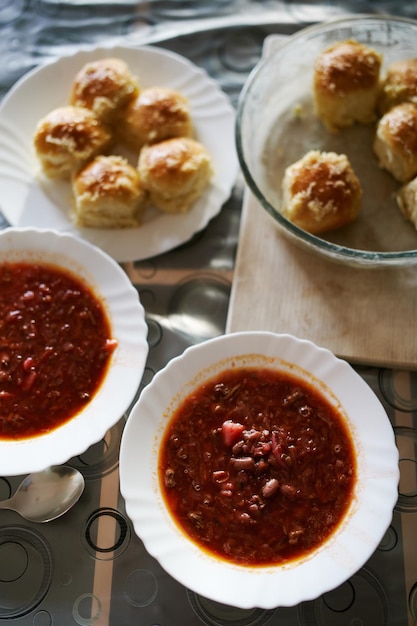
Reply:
x=102, y=524
x=87, y=604
x=349, y=604
x=399, y=389
x=389, y=541
x=25, y=571
x=141, y=587
x=406, y=440
x=216, y=614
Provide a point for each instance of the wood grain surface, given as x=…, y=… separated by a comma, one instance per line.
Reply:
x=367, y=316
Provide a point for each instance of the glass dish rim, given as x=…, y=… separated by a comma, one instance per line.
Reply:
x=338, y=252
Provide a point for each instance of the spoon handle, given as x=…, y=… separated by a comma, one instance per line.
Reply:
x=7, y=504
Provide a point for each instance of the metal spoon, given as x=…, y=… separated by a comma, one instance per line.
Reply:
x=44, y=496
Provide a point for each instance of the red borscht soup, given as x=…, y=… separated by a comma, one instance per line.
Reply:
x=257, y=467
x=55, y=346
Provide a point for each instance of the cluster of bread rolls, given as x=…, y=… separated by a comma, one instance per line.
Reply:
x=348, y=88
x=107, y=109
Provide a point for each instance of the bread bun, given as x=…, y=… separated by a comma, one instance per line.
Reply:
x=346, y=84
x=399, y=85
x=321, y=192
x=407, y=201
x=157, y=113
x=66, y=138
x=104, y=86
x=395, y=142
x=175, y=172
x=108, y=194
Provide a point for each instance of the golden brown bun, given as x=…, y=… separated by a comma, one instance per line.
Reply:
x=399, y=85
x=175, y=172
x=321, y=192
x=346, y=84
x=395, y=142
x=104, y=86
x=67, y=138
x=108, y=194
x=157, y=113
x=407, y=201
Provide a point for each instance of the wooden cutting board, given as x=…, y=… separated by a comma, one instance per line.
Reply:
x=367, y=316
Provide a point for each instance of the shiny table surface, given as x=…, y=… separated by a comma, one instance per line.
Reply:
x=89, y=567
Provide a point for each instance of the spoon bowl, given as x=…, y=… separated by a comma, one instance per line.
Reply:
x=44, y=496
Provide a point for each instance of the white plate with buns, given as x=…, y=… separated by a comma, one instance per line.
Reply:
x=30, y=198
